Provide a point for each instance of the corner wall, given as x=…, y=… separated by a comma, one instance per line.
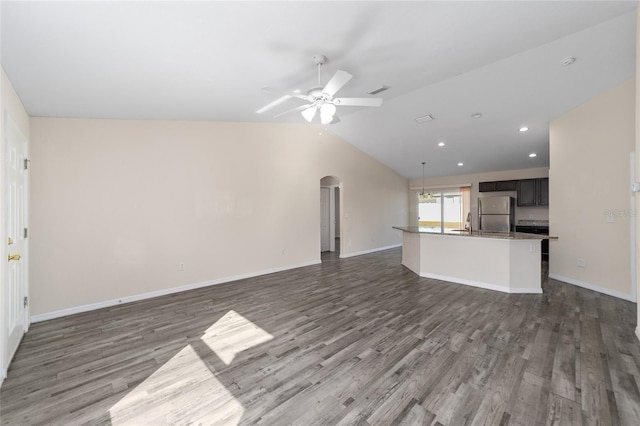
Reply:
x=118, y=205
x=589, y=179
x=637, y=147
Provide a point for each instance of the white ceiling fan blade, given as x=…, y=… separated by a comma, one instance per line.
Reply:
x=274, y=104
x=339, y=79
x=288, y=93
x=369, y=102
x=300, y=108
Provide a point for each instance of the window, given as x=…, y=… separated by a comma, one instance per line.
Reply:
x=444, y=210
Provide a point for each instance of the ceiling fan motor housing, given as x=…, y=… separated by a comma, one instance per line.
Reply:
x=317, y=93
x=319, y=59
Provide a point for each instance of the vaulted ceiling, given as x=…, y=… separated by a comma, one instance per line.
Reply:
x=209, y=61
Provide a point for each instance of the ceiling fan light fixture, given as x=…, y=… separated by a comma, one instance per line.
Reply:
x=327, y=111
x=309, y=113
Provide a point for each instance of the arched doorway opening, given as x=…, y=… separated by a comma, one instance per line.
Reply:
x=330, y=217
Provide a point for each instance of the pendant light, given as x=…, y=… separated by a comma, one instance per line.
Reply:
x=422, y=193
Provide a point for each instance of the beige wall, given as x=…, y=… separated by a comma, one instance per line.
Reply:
x=637, y=147
x=117, y=204
x=9, y=104
x=539, y=213
x=590, y=175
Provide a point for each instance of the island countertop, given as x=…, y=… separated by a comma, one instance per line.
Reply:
x=478, y=234
x=509, y=262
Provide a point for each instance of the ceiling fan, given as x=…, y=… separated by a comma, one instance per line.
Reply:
x=320, y=99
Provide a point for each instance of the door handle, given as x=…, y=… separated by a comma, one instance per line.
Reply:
x=14, y=257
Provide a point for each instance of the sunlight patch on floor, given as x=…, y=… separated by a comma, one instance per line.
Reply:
x=182, y=390
x=233, y=334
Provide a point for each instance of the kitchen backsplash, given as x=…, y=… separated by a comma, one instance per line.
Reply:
x=532, y=213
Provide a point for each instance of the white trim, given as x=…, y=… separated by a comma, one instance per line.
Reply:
x=632, y=226
x=360, y=253
x=480, y=284
x=593, y=287
x=127, y=299
x=638, y=332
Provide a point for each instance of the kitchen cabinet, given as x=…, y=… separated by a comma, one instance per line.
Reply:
x=501, y=185
x=533, y=192
x=543, y=192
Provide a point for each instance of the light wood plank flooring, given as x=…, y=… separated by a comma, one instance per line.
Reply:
x=354, y=341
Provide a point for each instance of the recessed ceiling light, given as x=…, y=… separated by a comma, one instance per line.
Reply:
x=533, y=154
x=476, y=115
x=568, y=60
x=440, y=143
x=523, y=129
x=425, y=118
x=460, y=164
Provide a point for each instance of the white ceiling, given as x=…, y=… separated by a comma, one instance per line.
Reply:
x=209, y=61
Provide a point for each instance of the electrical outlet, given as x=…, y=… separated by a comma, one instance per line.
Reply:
x=181, y=266
x=581, y=262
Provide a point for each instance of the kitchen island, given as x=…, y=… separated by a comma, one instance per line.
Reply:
x=508, y=262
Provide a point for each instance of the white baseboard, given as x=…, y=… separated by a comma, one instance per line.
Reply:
x=593, y=287
x=163, y=292
x=360, y=253
x=480, y=284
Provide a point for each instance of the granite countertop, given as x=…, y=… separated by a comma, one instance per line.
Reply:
x=480, y=234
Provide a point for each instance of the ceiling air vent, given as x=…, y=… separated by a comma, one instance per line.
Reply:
x=425, y=118
x=378, y=90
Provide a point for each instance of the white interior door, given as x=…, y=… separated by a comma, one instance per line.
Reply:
x=14, y=288
x=325, y=215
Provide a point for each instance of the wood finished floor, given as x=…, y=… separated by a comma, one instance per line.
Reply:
x=354, y=341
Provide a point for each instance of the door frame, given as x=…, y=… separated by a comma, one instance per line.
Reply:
x=322, y=215
x=332, y=215
x=332, y=182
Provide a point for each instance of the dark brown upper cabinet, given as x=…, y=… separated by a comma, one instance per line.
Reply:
x=500, y=185
x=533, y=192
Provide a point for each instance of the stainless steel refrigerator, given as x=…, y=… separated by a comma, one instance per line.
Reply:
x=495, y=214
